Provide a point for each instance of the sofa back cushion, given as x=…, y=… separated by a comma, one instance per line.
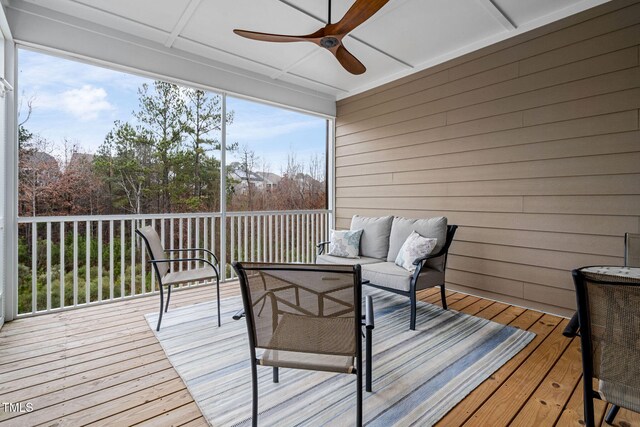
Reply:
x=431, y=227
x=374, y=242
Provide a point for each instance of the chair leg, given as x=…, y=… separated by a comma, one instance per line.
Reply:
x=218, y=296
x=276, y=377
x=589, y=417
x=412, y=322
x=359, y=398
x=443, y=297
x=369, y=346
x=611, y=414
x=254, y=389
x=161, y=308
x=166, y=307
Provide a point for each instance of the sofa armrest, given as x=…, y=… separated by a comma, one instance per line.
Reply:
x=320, y=246
x=451, y=231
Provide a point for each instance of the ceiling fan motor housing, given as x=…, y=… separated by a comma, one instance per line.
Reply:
x=329, y=42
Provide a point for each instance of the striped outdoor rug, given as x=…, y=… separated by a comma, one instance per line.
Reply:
x=418, y=376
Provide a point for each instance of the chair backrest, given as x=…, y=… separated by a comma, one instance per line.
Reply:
x=632, y=249
x=154, y=248
x=609, y=310
x=304, y=295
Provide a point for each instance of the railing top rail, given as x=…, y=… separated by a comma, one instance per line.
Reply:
x=45, y=219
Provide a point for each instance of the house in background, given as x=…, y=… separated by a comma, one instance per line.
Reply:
x=270, y=180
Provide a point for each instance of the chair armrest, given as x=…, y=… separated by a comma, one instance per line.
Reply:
x=571, y=330
x=239, y=315
x=369, y=322
x=196, y=250
x=419, y=261
x=158, y=261
x=321, y=246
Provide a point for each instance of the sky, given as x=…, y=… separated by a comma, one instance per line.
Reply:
x=80, y=102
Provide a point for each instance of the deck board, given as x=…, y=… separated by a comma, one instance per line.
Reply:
x=102, y=365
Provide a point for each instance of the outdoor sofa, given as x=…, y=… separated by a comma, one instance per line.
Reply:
x=381, y=241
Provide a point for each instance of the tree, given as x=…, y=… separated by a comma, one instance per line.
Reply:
x=123, y=160
x=248, y=162
x=161, y=116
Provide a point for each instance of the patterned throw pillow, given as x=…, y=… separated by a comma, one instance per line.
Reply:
x=414, y=247
x=345, y=244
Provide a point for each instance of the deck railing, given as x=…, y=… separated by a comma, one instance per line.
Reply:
x=67, y=262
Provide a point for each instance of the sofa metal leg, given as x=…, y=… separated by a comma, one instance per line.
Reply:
x=161, y=309
x=412, y=297
x=443, y=297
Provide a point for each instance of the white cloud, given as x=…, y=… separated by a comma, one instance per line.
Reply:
x=86, y=103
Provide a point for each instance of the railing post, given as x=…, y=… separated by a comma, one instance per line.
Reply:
x=223, y=189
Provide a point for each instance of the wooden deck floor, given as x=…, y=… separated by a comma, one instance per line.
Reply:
x=103, y=366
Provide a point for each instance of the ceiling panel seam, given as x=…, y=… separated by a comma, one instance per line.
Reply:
x=182, y=22
x=498, y=14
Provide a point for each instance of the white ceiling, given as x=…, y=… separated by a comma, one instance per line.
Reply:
x=405, y=36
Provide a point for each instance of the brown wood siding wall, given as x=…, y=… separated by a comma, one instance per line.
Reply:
x=531, y=145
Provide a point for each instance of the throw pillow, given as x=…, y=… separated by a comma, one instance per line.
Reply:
x=416, y=246
x=345, y=244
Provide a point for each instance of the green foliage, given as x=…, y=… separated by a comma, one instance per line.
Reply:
x=164, y=162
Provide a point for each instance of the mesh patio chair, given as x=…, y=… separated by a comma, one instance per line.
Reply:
x=609, y=319
x=632, y=249
x=166, y=277
x=305, y=316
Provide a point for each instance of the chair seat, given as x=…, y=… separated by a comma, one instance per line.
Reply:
x=317, y=343
x=194, y=275
x=310, y=361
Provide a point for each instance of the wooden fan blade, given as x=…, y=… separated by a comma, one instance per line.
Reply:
x=266, y=37
x=359, y=12
x=348, y=61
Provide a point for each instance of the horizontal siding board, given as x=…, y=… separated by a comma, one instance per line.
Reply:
x=490, y=283
x=574, y=224
x=547, y=308
x=592, y=86
x=586, y=146
x=530, y=256
x=560, y=242
x=401, y=128
x=540, y=275
x=538, y=160
x=457, y=94
x=446, y=92
x=472, y=204
x=619, y=39
x=424, y=83
x=577, y=166
x=547, y=294
x=508, y=134
x=584, y=205
x=586, y=185
x=593, y=106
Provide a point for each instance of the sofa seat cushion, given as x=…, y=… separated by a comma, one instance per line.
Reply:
x=403, y=227
x=387, y=274
x=390, y=275
x=375, y=235
x=329, y=259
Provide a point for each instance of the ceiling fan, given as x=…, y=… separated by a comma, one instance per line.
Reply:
x=330, y=36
